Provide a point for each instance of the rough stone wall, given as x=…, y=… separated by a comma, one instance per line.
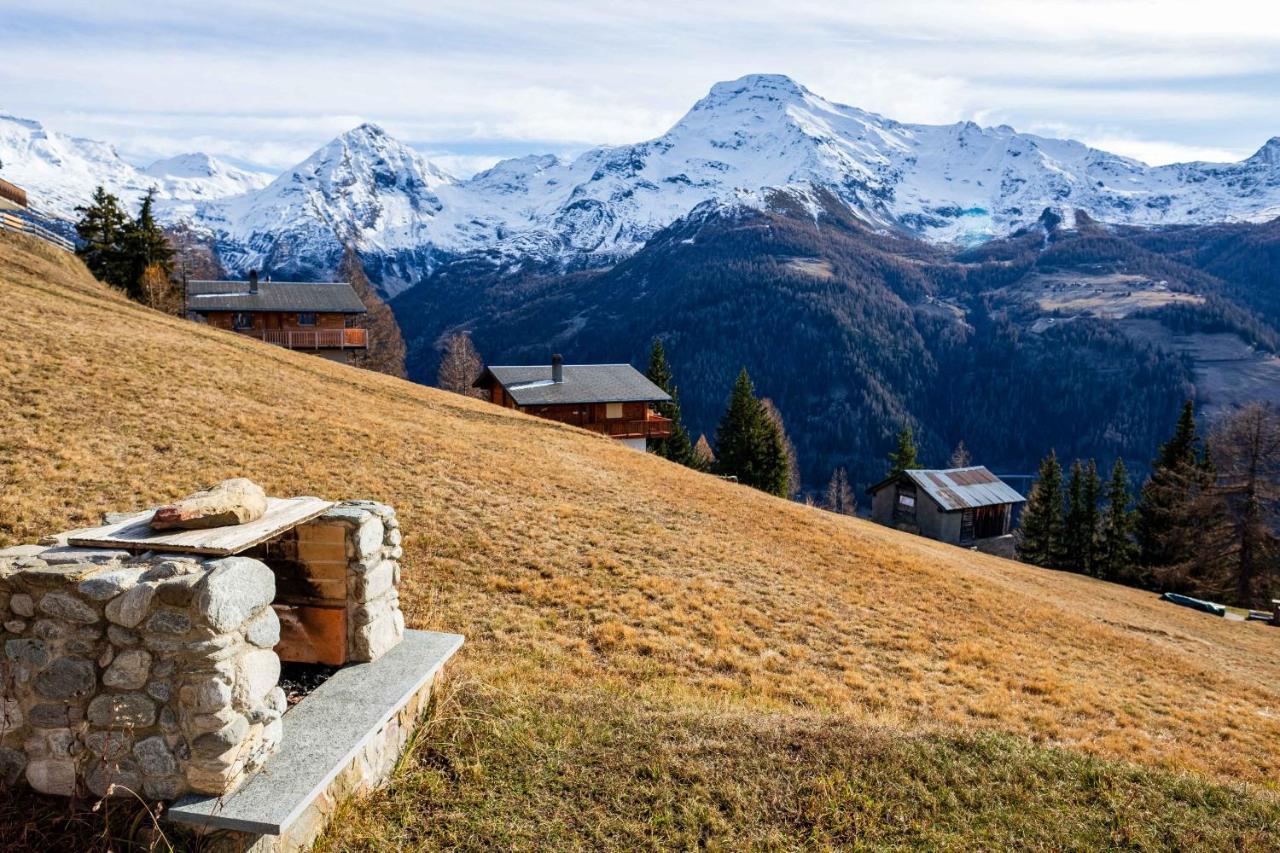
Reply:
x=155, y=673
x=362, y=540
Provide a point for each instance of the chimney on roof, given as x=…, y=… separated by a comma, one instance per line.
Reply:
x=253, y=281
x=557, y=368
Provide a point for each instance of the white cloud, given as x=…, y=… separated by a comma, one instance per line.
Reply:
x=267, y=82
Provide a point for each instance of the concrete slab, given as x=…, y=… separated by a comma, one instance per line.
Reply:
x=323, y=734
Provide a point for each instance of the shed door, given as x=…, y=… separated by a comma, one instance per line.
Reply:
x=966, y=525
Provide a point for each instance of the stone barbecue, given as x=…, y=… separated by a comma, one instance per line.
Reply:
x=150, y=660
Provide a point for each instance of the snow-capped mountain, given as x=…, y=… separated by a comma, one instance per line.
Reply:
x=363, y=189
x=741, y=144
x=61, y=171
x=197, y=177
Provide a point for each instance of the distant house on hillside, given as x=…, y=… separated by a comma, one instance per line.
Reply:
x=315, y=316
x=962, y=506
x=611, y=399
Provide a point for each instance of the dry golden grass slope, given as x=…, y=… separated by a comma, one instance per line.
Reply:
x=656, y=657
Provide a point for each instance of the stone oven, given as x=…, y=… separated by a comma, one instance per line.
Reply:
x=151, y=660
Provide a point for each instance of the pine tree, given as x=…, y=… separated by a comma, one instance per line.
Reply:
x=677, y=446
x=903, y=458
x=1116, y=549
x=748, y=445
x=1040, y=537
x=1164, y=522
x=101, y=229
x=840, y=497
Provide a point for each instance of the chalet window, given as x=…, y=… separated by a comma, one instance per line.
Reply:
x=242, y=320
x=306, y=318
x=612, y=410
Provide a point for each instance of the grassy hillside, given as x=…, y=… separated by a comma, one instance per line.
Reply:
x=654, y=656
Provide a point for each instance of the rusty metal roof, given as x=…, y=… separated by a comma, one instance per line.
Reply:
x=964, y=488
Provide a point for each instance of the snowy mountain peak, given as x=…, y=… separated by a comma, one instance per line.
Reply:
x=61, y=171
x=1268, y=154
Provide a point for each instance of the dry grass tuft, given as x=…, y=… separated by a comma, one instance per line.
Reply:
x=592, y=580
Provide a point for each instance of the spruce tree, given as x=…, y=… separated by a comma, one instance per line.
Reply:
x=1040, y=537
x=903, y=458
x=1164, y=523
x=101, y=229
x=1073, y=523
x=1116, y=549
x=677, y=447
x=144, y=245
x=1090, y=518
x=748, y=444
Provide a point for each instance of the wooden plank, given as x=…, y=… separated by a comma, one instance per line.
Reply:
x=135, y=534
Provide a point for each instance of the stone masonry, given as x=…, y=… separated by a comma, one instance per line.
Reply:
x=153, y=673
x=352, y=554
x=158, y=672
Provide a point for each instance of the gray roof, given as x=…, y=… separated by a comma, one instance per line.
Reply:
x=583, y=383
x=960, y=488
x=325, y=297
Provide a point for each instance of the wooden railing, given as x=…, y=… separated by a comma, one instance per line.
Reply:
x=654, y=426
x=9, y=222
x=15, y=194
x=312, y=338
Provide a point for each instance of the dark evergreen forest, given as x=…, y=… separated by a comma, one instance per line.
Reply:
x=855, y=334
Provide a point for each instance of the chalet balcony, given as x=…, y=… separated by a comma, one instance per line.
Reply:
x=11, y=196
x=312, y=339
x=653, y=426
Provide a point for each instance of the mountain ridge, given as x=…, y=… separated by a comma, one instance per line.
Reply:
x=955, y=183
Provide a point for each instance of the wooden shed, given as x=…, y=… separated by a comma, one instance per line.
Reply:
x=961, y=506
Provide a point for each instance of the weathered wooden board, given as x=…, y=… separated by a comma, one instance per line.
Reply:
x=135, y=534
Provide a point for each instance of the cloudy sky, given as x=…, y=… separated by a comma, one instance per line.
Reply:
x=469, y=82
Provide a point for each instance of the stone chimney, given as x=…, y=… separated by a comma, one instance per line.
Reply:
x=253, y=281
x=557, y=368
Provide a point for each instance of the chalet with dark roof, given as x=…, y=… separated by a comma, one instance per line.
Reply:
x=962, y=506
x=611, y=399
x=317, y=316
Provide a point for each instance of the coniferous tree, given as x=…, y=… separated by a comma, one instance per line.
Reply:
x=704, y=459
x=1073, y=527
x=1040, y=537
x=1116, y=548
x=101, y=229
x=789, y=459
x=903, y=458
x=748, y=444
x=1164, y=523
x=386, y=350
x=677, y=446
x=144, y=245
x=1238, y=516
x=1090, y=518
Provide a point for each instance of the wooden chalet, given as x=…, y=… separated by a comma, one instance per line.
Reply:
x=316, y=316
x=962, y=506
x=12, y=197
x=611, y=399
